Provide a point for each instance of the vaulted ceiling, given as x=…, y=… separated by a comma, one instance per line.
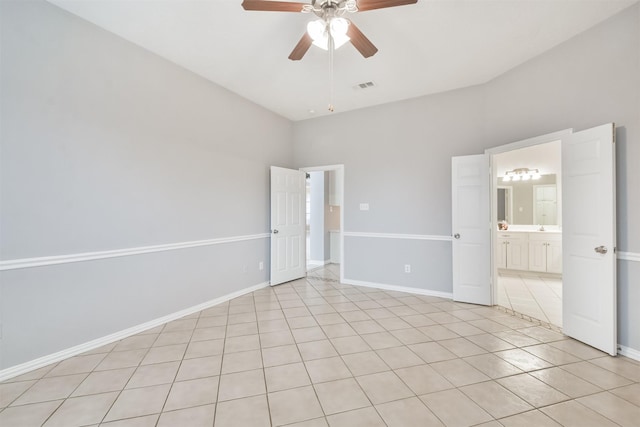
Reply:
x=432, y=46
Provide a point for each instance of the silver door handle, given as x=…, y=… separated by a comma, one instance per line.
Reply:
x=601, y=250
x=457, y=235
x=275, y=231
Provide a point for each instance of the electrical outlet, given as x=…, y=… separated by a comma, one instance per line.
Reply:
x=407, y=268
x=261, y=266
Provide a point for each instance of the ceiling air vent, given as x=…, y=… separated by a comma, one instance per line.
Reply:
x=365, y=85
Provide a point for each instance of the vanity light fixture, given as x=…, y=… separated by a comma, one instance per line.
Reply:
x=521, y=174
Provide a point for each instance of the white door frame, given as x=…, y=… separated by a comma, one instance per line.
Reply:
x=542, y=139
x=339, y=168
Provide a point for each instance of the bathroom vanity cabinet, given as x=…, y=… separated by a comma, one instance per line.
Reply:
x=529, y=251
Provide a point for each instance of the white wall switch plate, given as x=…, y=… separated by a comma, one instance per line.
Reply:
x=364, y=206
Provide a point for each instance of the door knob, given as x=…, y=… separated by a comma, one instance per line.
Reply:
x=457, y=235
x=275, y=231
x=601, y=250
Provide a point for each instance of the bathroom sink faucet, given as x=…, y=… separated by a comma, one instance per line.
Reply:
x=541, y=228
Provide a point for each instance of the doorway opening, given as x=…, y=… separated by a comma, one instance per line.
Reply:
x=527, y=231
x=324, y=221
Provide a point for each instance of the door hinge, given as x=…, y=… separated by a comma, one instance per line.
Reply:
x=308, y=175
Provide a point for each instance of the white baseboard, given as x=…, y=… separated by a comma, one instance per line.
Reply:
x=418, y=291
x=398, y=236
x=40, y=362
x=631, y=353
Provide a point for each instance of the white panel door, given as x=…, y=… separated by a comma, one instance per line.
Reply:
x=589, y=237
x=471, y=229
x=288, y=248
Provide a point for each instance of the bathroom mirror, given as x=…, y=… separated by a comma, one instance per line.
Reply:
x=505, y=207
x=529, y=202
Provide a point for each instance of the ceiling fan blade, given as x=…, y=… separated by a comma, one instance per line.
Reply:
x=301, y=48
x=364, y=5
x=360, y=41
x=273, y=6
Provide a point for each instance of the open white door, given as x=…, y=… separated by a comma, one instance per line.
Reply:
x=589, y=237
x=471, y=229
x=288, y=248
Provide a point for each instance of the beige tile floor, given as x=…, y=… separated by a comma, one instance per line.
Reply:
x=315, y=353
x=535, y=296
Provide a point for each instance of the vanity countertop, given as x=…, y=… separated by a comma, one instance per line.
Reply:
x=536, y=231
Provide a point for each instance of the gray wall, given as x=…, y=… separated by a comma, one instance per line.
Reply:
x=107, y=146
x=397, y=156
x=397, y=159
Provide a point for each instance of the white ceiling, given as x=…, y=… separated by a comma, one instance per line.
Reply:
x=432, y=46
x=544, y=157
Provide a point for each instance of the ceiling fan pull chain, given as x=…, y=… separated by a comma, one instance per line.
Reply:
x=330, y=72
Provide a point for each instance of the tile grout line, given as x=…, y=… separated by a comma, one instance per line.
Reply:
x=264, y=369
x=166, y=399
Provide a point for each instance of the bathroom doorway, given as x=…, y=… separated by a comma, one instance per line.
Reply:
x=528, y=249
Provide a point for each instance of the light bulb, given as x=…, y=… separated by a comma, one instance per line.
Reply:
x=515, y=178
x=339, y=40
x=506, y=178
x=318, y=31
x=339, y=27
x=526, y=177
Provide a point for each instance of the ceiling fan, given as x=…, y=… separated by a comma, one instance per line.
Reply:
x=331, y=30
